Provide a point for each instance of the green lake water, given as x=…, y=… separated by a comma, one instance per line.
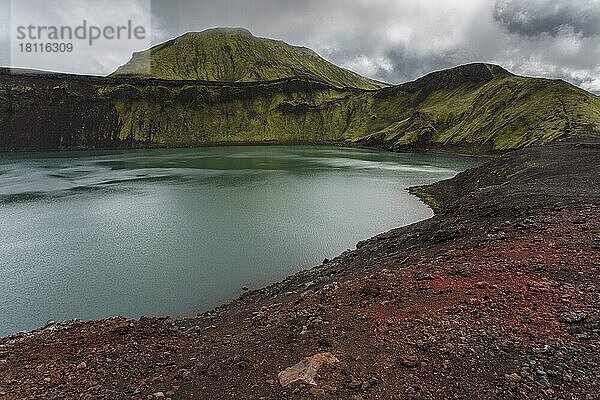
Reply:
x=174, y=232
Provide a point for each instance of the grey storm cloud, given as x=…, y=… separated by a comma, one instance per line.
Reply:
x=396, y=41
x=400, y=40
x=533, y=18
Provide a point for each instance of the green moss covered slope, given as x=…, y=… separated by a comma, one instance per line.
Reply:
x=475, y=108
x=481, y=107
x=235, y=55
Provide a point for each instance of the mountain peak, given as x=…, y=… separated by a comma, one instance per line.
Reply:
x=473, y=72
x=466, y=74
x=236, y=55
x=224, y=31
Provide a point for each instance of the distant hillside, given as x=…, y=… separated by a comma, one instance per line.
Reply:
x=235, y=55
x=475, y=108
x=480, y=106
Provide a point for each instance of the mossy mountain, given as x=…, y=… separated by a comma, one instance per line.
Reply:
x=474, y=108
x=235, y=55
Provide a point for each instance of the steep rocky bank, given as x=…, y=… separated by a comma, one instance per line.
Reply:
x=497, y=296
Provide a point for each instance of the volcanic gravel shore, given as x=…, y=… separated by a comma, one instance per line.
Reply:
x=496, y=297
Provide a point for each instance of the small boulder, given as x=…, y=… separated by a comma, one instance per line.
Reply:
x=410, y=361
x=514, y=377
x=306, y=370
x=423, y=276
x=573, y=317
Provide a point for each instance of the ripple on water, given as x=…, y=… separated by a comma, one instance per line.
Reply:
x=174, y=232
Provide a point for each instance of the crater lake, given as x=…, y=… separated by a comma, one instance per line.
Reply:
x=175, y=232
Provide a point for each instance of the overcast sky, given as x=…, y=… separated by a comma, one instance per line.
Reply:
x=390, y=40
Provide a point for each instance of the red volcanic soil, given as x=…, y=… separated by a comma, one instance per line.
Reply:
x=496, y=297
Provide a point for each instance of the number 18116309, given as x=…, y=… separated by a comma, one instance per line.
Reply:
x=46, y=47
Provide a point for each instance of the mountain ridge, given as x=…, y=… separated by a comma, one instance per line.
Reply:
x=472, y=108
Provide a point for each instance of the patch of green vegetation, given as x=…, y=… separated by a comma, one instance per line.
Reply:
x=426, y=197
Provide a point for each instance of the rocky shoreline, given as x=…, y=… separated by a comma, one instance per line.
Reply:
x=497, y=296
